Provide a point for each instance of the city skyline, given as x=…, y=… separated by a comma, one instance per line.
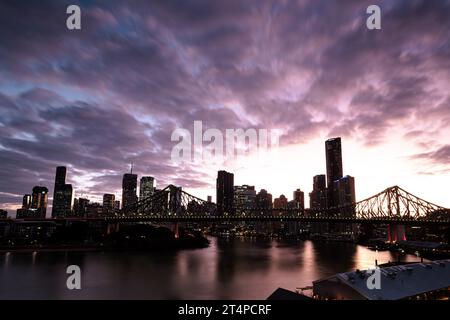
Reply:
x=111, y=94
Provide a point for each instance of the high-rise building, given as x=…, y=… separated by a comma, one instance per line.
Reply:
x=26, y=202
x=117, y=205
x=264, y=200
x=3, y=214
x=129, y=197
x=318, y=196
x=244, y=197
x=346, y=191
x=39, y=201
x=318, y=203
x=333, y=153
x=80, y=206
x=209, y=199
x=62, y=194
x=108, y=203
x=225, y=192
x=299, y=198
x=146, y=189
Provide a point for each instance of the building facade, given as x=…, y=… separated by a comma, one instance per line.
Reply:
x=333, y=153
x=62, y=194
x=244, y=197
x=225, y=192
x=108, y=203
x=129, y=196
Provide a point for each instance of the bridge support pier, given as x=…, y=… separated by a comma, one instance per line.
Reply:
x=175, y=229
x=396, y=232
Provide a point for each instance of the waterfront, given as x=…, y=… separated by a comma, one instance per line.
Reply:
x=227, y=269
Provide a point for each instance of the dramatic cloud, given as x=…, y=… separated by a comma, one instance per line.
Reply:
x=112, y=93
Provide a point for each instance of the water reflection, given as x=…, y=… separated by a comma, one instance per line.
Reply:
x=228, y=269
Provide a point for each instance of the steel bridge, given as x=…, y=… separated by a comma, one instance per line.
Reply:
x=394, y=205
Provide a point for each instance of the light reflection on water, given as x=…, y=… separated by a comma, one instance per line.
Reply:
x=228, y=269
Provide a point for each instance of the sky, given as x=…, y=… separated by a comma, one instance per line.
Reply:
x=112, y=93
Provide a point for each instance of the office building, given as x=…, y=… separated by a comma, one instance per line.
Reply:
x=225, y=192
x=26, y=202
x=80, y=207
x=129, y=197
x=318, y=196
x=345, y=188
x=299, y=198
x=39, y=201
x=244, y=197
x=333, y=153
x=62, y=194
x=146, y=190
x=146, y=187
x=108, y=203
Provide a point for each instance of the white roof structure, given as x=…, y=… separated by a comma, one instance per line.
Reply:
x=397, y=282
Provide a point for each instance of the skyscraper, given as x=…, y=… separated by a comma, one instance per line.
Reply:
x=62, y=194
x=333, y=153
x=80, y=206
x=108, y=203
x=346, y=191
x=129, y=186
x=318, y=196
x=146, y=188
x=299, y=198
x=244, y=197
x=26, y=202
x=224, y=192
x=39, y=201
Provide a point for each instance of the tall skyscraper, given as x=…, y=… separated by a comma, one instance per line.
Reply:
x=117, y=205
x=209, y=199
x=108, y=203
x=346, y=191
x=39, y=201
x=333, y=153
x=318, y=196
x=299, y=198
x=225, y=192
x=244, y=197
x=146, y=189
x=62, y=194
x=26, y=202
x=129, y=186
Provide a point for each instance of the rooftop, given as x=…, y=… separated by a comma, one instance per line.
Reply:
x=398, y=282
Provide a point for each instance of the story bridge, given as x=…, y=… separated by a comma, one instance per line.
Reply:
x=393, y=206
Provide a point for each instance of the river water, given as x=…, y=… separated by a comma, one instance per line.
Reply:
x=227, y=269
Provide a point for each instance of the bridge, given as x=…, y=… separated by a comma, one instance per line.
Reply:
x=393, y=206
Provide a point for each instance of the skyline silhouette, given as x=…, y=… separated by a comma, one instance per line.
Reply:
x=111, y=94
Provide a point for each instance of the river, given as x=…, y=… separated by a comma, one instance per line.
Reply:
x=227, y=269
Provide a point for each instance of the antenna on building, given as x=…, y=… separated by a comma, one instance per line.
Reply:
x=131, y=167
